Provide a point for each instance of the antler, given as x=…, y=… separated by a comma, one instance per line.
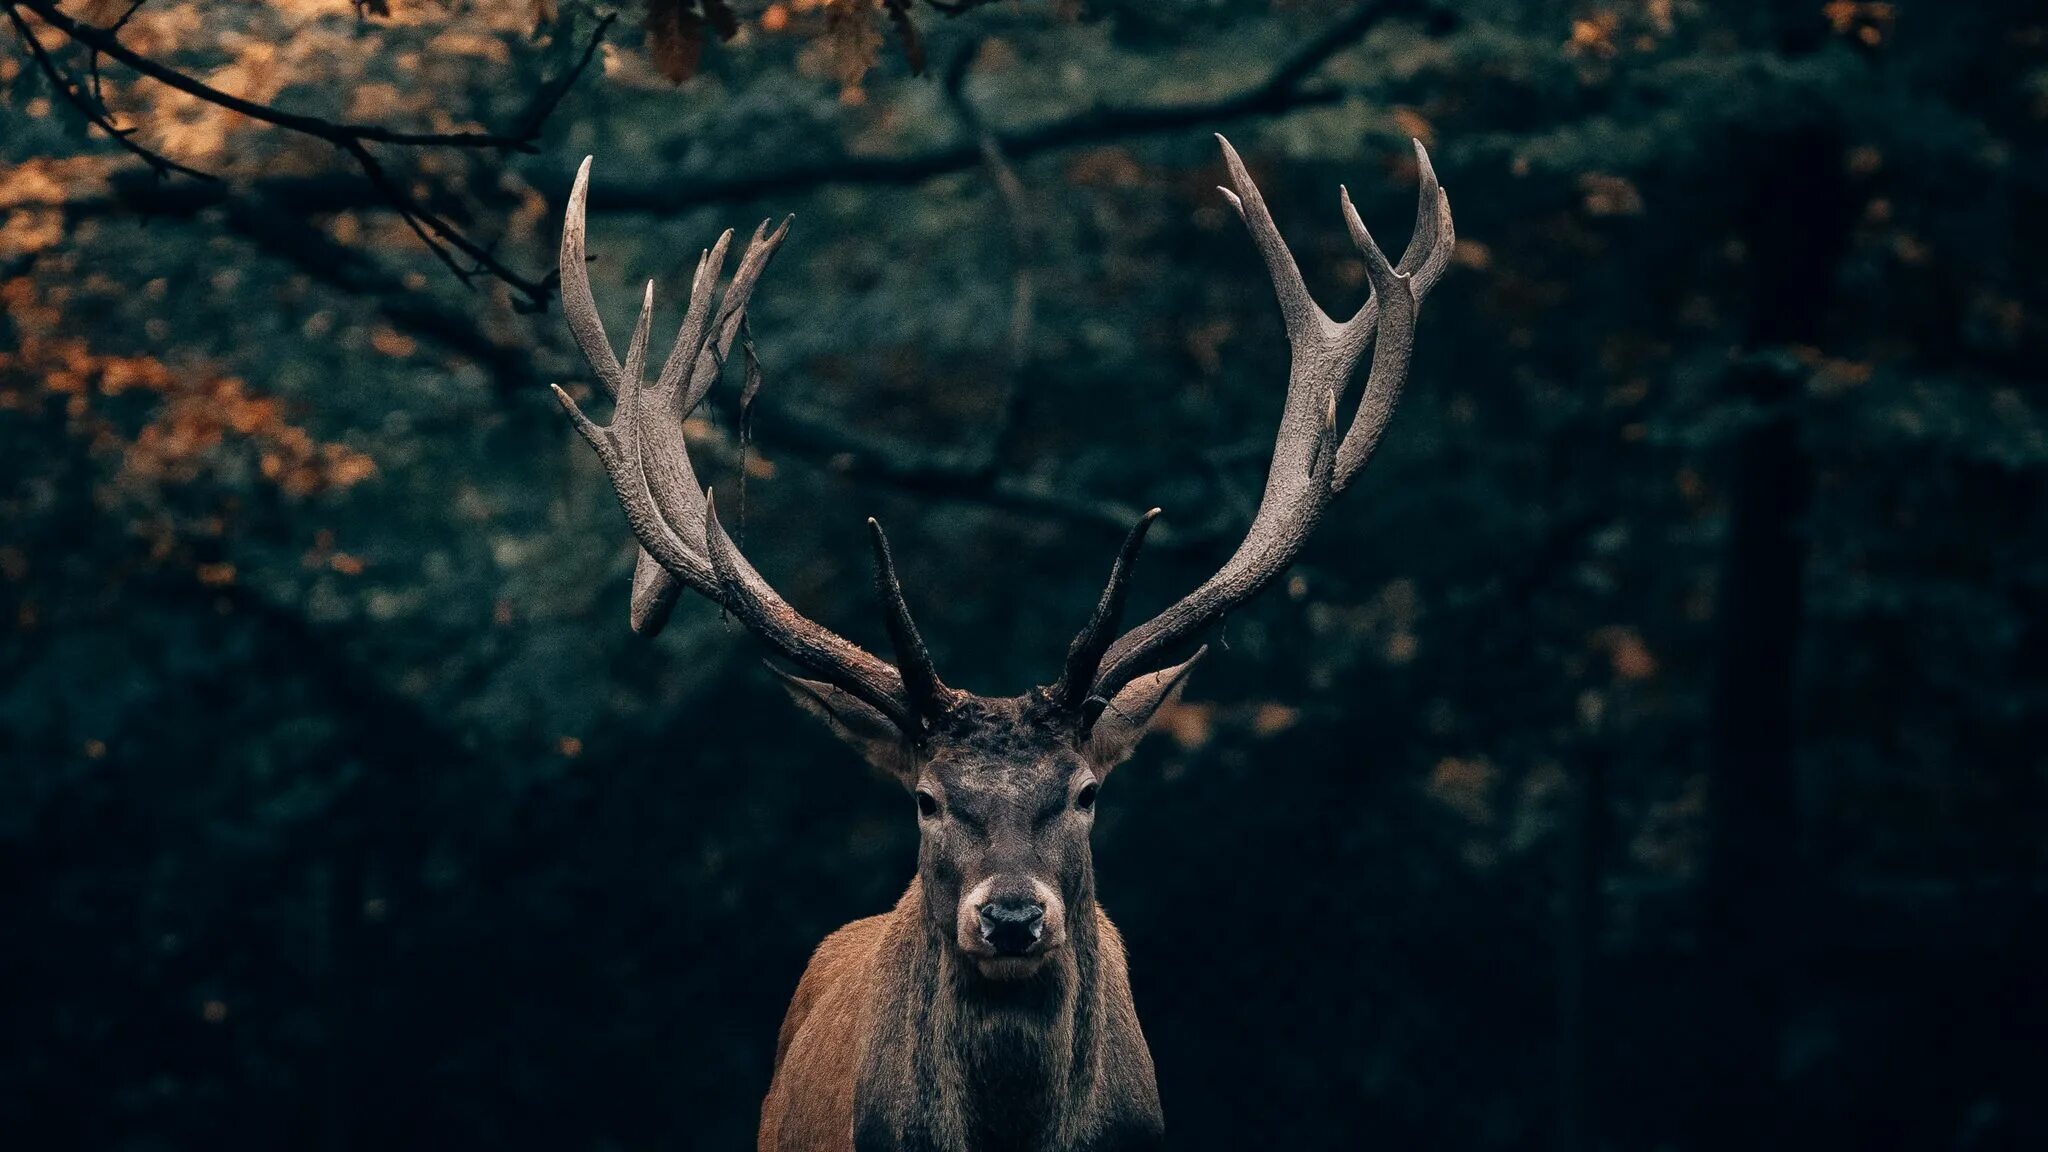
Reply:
x=1084, y=655
x=1310, y=465
x=682, y=544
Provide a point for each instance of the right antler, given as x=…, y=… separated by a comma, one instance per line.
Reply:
x=1309, y=464
x=676, y=523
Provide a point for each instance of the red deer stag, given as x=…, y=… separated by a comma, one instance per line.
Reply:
x=989, y=1010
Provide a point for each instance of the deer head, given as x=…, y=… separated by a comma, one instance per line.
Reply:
x=1005, y=787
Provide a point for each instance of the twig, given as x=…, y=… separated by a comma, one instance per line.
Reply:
x=74, y=94
x=440, y=237
x=551, y=92
x=104, y=40
x=93, y=60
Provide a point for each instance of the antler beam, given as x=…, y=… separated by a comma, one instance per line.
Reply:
x=1310, y=464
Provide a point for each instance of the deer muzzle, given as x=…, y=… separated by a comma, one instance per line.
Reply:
x=1012, y=927
x=1009, y=925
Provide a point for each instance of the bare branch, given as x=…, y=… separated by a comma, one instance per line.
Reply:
x=1010, y=189
x=92, y=109
x=440, y=237
x=663, y=194
x=549, y=96
x=93, y=61
x=104, y=40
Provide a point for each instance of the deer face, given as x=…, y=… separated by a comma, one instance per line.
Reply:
x=1005, y=794
x=1003, y=817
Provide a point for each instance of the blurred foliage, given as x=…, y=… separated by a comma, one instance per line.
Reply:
x=340, y=808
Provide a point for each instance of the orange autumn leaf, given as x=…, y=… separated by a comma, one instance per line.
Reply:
x=393, y=343
x=197, y=414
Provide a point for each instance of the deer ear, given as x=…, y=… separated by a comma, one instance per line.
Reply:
x=865, y=730
x=1126, y=718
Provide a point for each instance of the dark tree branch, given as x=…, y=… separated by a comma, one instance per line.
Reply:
x=91, y=107
x=353, y=273
x=550, y=94
x=93, y=60
x=969, y=476
x=104, y=40
x=440, y=237
x=1011, y=190
x=952, y=8
x=670, y=193
x=1310, y=57
x=1284, y=90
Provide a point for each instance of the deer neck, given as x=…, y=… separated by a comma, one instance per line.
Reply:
x=1010, y=1062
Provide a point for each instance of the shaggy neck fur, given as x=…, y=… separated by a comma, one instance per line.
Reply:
x=993, y=1065
x=1024, y=1048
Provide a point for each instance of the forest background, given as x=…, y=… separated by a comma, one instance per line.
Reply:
x=1663, y=710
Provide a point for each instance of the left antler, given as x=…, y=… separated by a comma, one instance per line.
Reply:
x=1310, y=464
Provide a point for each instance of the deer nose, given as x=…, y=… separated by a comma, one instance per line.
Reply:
x=1012, y=927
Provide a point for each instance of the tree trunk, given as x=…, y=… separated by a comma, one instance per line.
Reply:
x=1796, y=223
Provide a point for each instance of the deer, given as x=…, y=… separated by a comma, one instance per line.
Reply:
x=990, y=1009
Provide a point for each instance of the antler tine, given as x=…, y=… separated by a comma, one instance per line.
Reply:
x=1427, y=241
x=1305, y=472
x=577, y=303
x=1298, y=309
x=732, y=311
x=647, y=458
x=690, y=337
x=616, y=444
x=635, y=367
x=796, y=638
x=654, y=590
x=653, y=596
x=615, y=448
x=929, y=697
x=1397, y=294
x=672, y=482
x=1393, y=340
x=1085, y=653
x=664, y=454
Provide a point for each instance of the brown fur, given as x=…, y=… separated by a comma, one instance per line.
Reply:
x=912, y=1031
x=810, y=1102
x=891, y=1035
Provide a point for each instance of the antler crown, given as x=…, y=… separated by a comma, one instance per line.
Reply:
x=683, y=545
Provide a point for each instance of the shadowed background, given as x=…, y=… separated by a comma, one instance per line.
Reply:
x=1644, y=755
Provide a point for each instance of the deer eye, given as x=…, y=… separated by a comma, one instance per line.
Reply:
x=1084, y=800
x=927, y=804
